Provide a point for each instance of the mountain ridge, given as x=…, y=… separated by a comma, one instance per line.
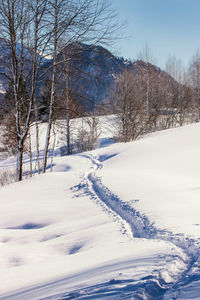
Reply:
x=92, y=71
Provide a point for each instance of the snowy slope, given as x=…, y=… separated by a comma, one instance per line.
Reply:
x=163, y=172
x=120, y=222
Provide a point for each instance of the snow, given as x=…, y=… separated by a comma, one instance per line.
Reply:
x=2, y=89
x=118, y=221
x=163, y=172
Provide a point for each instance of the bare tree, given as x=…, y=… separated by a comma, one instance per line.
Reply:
x=194, y=79
x=55, y=6
x=129, y=105
x=38, y=46
x=146, y=56
x=88, y=133
x=76, y=21
x=14, y=18
x=66, y=58
x=18, y=21
x=182, y=99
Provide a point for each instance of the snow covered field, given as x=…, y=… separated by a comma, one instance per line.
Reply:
x=119, y=222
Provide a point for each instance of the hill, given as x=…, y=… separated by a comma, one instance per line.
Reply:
x=118, y=222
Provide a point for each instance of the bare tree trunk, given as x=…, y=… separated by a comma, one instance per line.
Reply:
x=49, y=126
x=67, y=107
x=20, y=160
x=30, y=155
x=68, y=127
x=53, y=146
x=37, y=139
x=53, y=86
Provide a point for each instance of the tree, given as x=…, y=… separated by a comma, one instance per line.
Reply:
x=55, y=6
x=146, y=57
x=13, y=21
x=182, y=93
x=20, y=35
x=75, y=21
x=130, y=107
x=194, y=78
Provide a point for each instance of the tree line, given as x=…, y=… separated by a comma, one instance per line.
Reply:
x=147, y=99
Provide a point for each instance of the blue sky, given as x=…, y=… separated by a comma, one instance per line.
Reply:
x=169, y=27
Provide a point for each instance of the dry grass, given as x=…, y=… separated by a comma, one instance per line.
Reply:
x=7, y=177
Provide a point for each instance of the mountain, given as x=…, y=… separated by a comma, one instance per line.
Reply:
x=92, y=71
x=5, y=63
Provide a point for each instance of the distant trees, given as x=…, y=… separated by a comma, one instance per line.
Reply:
x=138, y=101
x=148, y=99
x=182, y=91
x=194, y=82
x=129, y=105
